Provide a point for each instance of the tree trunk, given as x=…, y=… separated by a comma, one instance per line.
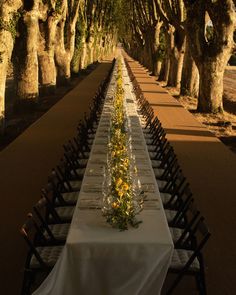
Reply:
x=177, y=44
x=83, y=62
x=64, y=52
x=103, y=39
x=26, y=60
x=176, y=65
x=46, y=55
x=8, y=9
x=75, y=63
x=90, y=50
x=141, y=56
x=96, y=46
x=100, y=54
x=190, y=75
x=62, y=56
x=211, y=56
x=147, y=54
x=211, y=87
x=171, y=55
x=6, y=47
x=165, y=69
x=158, y=68
x=47, y=72
x=150, y=51
x=63, y=67
x=156, y=43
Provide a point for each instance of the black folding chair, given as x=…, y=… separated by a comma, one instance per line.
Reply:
x=50, y=233
x=180, y=235
x=190, y=261
x=40, y=259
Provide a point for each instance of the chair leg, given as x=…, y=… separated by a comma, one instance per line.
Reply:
x=175, y=283
x=27, y=281
x=201, y=284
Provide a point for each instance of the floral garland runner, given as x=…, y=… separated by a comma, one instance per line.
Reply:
x=121, y=203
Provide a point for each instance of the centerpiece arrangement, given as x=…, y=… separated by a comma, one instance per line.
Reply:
x=123, y=198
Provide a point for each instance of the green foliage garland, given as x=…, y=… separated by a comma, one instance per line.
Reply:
x=120, y=208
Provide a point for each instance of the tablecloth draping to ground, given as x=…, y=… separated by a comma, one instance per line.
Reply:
x=98, y=259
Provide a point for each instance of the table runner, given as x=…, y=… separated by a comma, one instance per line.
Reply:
x=98, y=259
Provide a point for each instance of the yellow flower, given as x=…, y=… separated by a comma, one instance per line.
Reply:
x=119, y=181
x=125, y=186
x=120, y=193
x=115, y=205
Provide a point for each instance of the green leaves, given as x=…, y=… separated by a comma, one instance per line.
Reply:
x=11, y=26
x=58, y=6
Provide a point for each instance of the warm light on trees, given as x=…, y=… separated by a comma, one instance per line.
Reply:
x=47, y=40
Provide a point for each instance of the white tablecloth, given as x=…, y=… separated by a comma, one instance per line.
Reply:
x=98, y=259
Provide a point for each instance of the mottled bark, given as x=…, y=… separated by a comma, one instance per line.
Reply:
x=6, y=46
x=158, y=68
x=156, y=43
x=46, y=54
x=97, y=47
x=25, y=55
x=100, y=53
x=47, y=72
x=90, y=49
x=64, y=51
x=211, y=86
x=165, y=68
x=102, y=46
x=147, y=53
x=173, y=15
x=8, y=10
x=190, y=75
x=211, y=56
x=62, y=56
x=83, y=61
x=176, y=54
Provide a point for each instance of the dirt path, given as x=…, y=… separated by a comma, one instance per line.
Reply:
x=17, y=121
x=222, y=125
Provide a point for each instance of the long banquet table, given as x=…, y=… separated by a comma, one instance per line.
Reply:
x=98, y=259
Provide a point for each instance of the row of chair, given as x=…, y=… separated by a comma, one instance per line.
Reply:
x=187, y=226
x=46, y=228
